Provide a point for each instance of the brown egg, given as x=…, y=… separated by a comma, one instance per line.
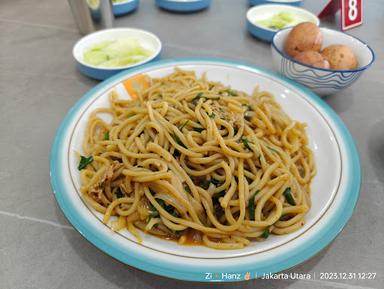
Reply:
x=304, y=36
x=340, y=57
x=312, y=58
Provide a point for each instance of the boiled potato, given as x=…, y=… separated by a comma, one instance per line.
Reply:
x=340, y=57
x=304, y=36
x=312, y=58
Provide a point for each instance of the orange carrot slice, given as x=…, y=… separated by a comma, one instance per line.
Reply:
x=136, y=84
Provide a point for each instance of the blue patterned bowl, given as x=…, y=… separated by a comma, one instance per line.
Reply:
x=322, y=81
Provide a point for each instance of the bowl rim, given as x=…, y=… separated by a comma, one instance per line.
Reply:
x=124, y=2
x=106, y=31
x=182, y=1
x=279, y=5
x=282, y=1
x=285, y=55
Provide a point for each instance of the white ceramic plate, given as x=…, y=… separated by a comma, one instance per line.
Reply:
x=334, y=190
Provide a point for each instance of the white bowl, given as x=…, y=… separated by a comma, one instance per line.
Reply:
x=261, y=12
x=322, y=81
x=147, y=39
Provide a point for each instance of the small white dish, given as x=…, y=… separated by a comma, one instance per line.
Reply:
x=146, y=39
x=266, y=11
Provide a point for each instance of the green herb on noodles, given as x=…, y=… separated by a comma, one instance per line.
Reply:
x=195, y=100
x=252, y=206
x=265, y=234
x=178, y=140
x=106, y=135
x=169, y=208
x=118, y=193
x=176, y=153
x=187, y=188
x=205, y=184
x=284, y=217
x=153, y=213
x=288, y=196
x=198, y=129
x=84, y=162
x=217, y=183
x=245, y=143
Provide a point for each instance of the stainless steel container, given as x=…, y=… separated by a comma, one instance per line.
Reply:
x=92, y=15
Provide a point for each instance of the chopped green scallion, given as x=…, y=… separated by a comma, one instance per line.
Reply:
x=187, y=188
x=178, y=140
x=245, y=143
x=198, y=129
x=249, y=180
x=195, y=100
x=169, y=208
x=119, y=194
x=84, y=162
x=265, y=234
x=252, y=206
x=284, y=217
x=288, y=196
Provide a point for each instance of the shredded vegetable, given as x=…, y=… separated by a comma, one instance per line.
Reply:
x=115, y=53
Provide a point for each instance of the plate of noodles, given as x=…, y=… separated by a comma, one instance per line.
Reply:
x=205, y=170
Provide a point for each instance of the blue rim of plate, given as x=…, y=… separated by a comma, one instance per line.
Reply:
x=187, y=271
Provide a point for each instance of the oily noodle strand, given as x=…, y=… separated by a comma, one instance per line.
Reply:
x=191, y=159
